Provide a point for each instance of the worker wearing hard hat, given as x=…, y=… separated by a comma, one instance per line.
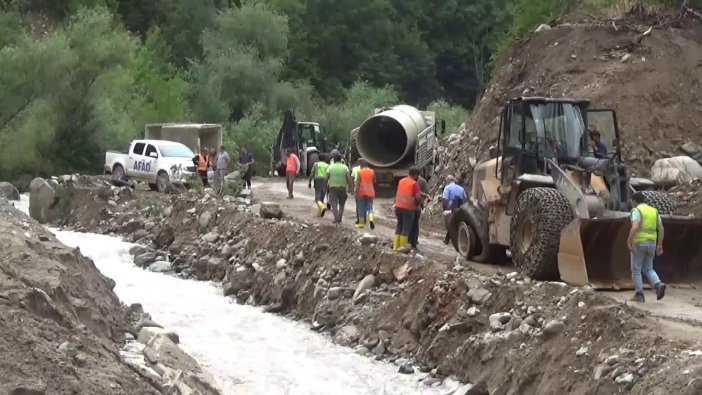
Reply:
x=365, y=193
x=407, y=202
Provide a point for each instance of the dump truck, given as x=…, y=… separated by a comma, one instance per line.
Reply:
x=394, y=139
x=306, y=139
x=559, y=210
x=193, y=135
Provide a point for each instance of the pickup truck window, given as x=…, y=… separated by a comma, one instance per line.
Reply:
x=139, y=148
x=149, y=149
x=175, y=151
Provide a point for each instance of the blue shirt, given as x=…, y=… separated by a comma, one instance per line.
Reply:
x=600, y=150
x=452, y=193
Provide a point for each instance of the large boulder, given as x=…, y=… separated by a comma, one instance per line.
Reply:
x=9, y=191
x=270, y=210
x=44, y=199
x=676, y=170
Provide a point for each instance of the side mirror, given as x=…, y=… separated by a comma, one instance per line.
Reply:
x=153, y=155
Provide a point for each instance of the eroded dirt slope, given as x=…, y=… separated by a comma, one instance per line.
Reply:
x=61, y=324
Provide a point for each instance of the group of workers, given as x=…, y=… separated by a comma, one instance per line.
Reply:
x=332, y=180
x=218, y=162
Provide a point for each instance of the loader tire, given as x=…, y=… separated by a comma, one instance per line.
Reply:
x=660, y=201
x=535, y=232
x=466, y=241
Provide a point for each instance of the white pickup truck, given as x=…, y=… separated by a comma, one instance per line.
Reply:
x=151, y=161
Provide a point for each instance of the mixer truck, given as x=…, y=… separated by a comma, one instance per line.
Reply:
x=395, y=139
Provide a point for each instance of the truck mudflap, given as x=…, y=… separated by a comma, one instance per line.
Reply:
x=594, y=252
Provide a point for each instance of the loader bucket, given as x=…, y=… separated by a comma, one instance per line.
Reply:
x=594, y=251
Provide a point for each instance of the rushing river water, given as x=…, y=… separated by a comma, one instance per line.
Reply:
x=247, y=350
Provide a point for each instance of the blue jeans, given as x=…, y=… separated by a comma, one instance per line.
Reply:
x=642, y=262
x=364, y=206
x=405, y=218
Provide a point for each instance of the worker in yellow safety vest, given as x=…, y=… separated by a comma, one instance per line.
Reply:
x=645, y=241
x=407, y=201
x=318, y=176
x=365, y=193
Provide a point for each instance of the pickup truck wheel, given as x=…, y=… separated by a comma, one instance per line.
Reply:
x=118, y=173
x=162, y=181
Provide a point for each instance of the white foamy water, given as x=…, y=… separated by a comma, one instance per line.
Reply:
x=248, y=351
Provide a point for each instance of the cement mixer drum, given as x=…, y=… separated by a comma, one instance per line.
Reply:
x=389, y=138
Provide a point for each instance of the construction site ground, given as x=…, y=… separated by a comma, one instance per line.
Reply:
x=682, y=303
x=483, y=324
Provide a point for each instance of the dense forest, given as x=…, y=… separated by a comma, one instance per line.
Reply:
x=82, y=76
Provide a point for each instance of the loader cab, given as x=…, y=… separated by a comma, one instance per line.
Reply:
x=604, y=121
x=535, y=129
x=312, y=135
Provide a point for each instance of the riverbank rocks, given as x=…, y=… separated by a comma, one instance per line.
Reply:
x=9, y=191
x=148, y=332
x=145, y=259
x=271, y=210
x=367, y=283
x=347, y=336
x=44, y=199
x=160, y=267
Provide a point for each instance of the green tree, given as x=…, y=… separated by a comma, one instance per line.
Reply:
x=86, y=87
x=243, y=59
x=359, y=102
x=182, y=22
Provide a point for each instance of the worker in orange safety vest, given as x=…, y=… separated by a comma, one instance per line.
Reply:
x=365, y=193
x=407, y=201
x=202, y=163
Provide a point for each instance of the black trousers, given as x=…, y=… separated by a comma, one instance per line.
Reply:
x=414, y=234
x=203, y=175
x=247, y=178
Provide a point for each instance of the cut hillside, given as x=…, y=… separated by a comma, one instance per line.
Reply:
x=651, y=81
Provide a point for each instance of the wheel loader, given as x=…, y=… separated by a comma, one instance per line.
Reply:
x=560, y=207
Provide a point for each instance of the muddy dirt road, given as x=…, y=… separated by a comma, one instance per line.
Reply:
x=302, y=206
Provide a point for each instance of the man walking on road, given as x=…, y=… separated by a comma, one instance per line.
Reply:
x=452, y=198
x=318, y=176
x=644, y=242
x=201, y=162
x=246, y=161
x=354, y=176
x=338, y=183
x=407, y=202
x=424, y=189
x=365, y=193
x=292, y=167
